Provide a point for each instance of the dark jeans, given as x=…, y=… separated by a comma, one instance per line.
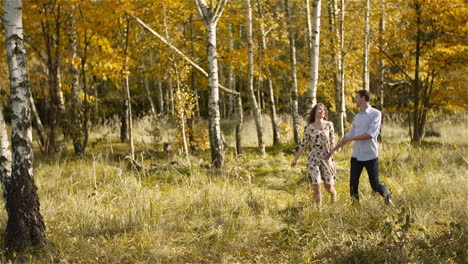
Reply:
x=372, y=167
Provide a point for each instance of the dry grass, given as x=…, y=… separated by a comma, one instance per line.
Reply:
x=100, y=210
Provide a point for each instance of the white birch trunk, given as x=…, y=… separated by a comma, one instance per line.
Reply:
x=210, y=18
x=159, y=95
x=25, y=226
x=255, y=107
x=365, y=78
x=336, y=42
x=294, y=94
x=240, y=121
x=148, y=92
x=314, y=50
x=230, y=103
x=76, y=128
x=5, y=154
x=127, y=91
x=382, y=26
x=263, y=46
x=342, y=108
x=39, y=127
x=130, y=118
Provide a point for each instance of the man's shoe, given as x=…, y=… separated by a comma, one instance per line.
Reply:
x=388, y=200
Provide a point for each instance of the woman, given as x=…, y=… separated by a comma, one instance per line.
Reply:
x=319, y=138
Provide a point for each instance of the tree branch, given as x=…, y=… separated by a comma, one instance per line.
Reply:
x=203, y=9
x=219, y=10
x=185, y=57
x=392, y=61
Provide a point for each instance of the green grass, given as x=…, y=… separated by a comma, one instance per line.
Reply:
x=259, y=210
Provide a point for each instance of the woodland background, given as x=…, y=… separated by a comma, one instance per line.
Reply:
x=140, y=157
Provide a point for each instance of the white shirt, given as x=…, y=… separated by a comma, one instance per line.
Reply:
x=367, y=121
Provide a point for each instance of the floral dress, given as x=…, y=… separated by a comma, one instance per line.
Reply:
x=320, y=142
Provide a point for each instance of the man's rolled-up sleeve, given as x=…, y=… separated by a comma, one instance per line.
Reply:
x=374, y=125
x=351, y=131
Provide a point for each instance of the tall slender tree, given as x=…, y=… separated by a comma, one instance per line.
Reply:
x=75, y=127
x=263, y=47
x=294, y=92
x=365, y=78
x=337, y=41
x=381, y=67
x=211, y=15
x=250, y=77
x=313, y=30
x=25, y=226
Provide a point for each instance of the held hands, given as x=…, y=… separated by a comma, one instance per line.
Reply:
x=330, y=154
x=343, y=142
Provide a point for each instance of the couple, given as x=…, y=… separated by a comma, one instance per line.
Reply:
x=319, y=138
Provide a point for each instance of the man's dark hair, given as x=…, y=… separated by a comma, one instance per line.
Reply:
x=364, y=93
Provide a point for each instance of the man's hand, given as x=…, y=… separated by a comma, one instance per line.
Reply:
x=345, y=140
x=293, y=163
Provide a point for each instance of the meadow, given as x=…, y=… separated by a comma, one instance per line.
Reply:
x=100, y=209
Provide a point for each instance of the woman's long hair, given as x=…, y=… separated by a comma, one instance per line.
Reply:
x=311, y=118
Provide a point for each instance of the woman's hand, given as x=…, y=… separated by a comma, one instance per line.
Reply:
x=293, y=163
x=330, y=154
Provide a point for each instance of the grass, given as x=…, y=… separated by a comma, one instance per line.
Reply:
x=99, y=210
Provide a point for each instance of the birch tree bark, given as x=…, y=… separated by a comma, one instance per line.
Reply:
x=382, y=25
x=313, y=30
x=417, y=129
x=158, y=83
x=51, y=32
x=5, y=154
x=25, y=226
x=231, y=77
x=127, y=89
x=365, y=78
x=159, y=96
x=211, y=15
x=147, y=89
x=263, y=46
x=39, y=127
x=255, y=107
x=76, y=128
x=337, y=57
x=294, y=95
x=342, y=106
x=240, y=121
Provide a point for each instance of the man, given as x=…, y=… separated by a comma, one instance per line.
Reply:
x=364, y=132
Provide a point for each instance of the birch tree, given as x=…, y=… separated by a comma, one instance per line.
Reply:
x=127, y=88
x=76, y=128
x=231, y=76
x=294, y=94
x=381, y=67
x=250, y=71
x=240, y=121
x=263, y=46
x=313, y=30
x=210, y=15
x=365, y=78
x=51, y=29
x=5, y=153
x=25, y=226
x=337, y=42
x=147, y=89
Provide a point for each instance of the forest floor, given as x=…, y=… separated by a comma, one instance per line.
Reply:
x=99, y=209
